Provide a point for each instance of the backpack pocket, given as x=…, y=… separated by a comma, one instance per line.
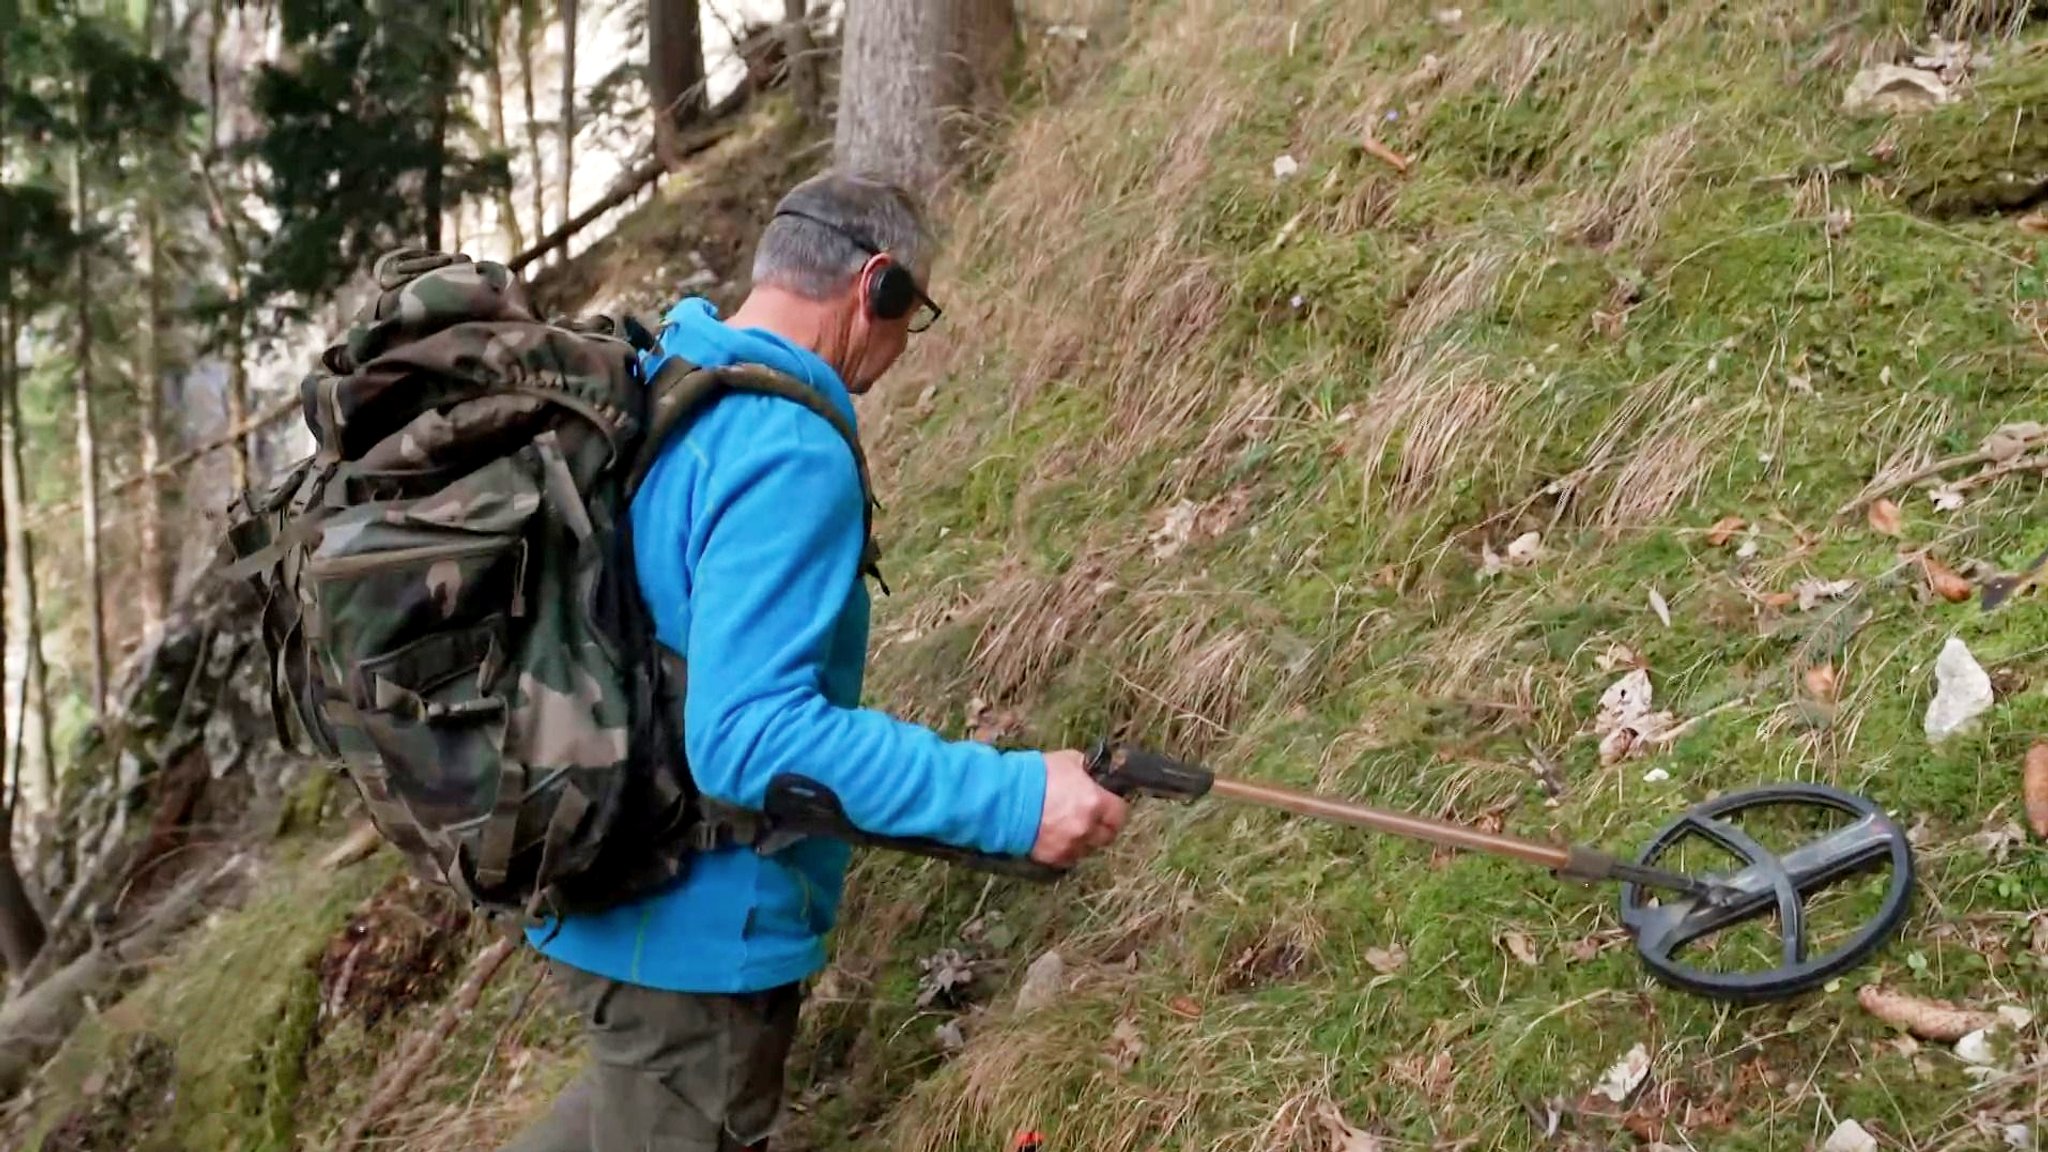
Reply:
x=418, y=601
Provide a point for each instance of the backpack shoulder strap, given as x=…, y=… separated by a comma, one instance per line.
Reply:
x=680, y=389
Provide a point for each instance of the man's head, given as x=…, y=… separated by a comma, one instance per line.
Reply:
x=854, y=250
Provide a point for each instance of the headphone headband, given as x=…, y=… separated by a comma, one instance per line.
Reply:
x=893, y=292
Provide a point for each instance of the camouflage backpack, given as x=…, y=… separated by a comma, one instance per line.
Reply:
x=450, y=605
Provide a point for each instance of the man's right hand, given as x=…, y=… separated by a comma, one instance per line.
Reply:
x=1079, y=815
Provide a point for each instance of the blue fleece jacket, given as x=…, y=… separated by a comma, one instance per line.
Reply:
x=747, y=538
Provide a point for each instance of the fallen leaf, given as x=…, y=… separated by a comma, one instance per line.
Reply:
x=1490, y=562
x=1809, y=593
x=2012, y=439
x=989, y=725
x=1820, y=682
x=1617, y=656
x=2038, y=940
x=1173, y=532
x=1627, y=1075
x=949, y=1036
x=2019, y=1137
x=1342, y=1136
x=2014, y=1016
x=1524, y=549
x=1927, y=1019
x=1586, y=949
x=1750, y=546
x=1126, y=1044
x=2034, y=223
x=1185, y=1007
x=1284, y=166
x=1044, y=981
x=2034, y=789
x=1849, y=1136
x=1886, y=518
x=1946, y=498
x=1963, y=691
x=1387, y=961
x=1625, y=723
x=1724, y=530
x=1520, y=946
x=1894, y=88
x=1656, y=776
x=1658, y=606
x=1945, y=581
x=1840, y=221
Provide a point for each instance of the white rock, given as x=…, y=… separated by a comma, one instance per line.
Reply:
x=1849, y=1136
x=1963, y=691
x=1043, y=982
x=2019, y=1137
x=1284, y=166
x=2015, y=1017
x=1976, y=1049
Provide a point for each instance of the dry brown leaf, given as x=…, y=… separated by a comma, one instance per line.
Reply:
x=1387, y=961
x=1660, y=607
x=1520, y=946
x=1885, y=517
x=1820, y=682
x=1126, y=1044
x=1185, y=1006
x=1945, y=581
x=1810, y=593
x=1617, y=656
x=1927, y=1019
x=1724, y=530
x=2035, y=223
x=2038, y=940
x=1341, y=1136
x=2034, y=789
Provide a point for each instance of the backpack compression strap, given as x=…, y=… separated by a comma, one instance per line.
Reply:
x=680, y=389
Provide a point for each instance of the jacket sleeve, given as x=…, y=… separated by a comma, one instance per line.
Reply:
x=774, y=539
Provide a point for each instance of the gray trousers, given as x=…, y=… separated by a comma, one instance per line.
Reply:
x=670, y=1071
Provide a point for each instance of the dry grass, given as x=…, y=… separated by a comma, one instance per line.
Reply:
x=1034, y=623
x=1629, y=212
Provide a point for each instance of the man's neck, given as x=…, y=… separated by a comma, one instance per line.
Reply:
x=805, y=323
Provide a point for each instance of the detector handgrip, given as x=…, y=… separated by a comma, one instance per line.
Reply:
x=1129, y=772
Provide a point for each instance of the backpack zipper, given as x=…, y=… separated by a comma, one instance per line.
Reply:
x=358, y=564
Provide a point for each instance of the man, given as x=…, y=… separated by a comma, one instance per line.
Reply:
x=748, y=536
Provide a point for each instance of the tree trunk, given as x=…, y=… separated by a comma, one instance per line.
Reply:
x=149, y=529
x=32, y=754
x=21, y=926
x=568, y=108
x=88, y=448
x=508, y=216
x=675, y=72
x=231, y=250
x=908, y=69
x=529, y=29
x=801, y=52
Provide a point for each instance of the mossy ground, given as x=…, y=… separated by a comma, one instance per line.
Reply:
x=1214, y=457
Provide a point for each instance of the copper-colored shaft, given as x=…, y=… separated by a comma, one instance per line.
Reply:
x=1400, y=824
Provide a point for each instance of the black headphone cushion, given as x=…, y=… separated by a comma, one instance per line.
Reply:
x=892, y=293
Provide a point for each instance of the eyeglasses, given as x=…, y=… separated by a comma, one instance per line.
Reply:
x=926, y=313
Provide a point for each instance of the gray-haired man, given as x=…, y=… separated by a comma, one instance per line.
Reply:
x=748, y=533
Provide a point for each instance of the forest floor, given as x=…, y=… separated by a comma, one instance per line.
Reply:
x=1370, y=467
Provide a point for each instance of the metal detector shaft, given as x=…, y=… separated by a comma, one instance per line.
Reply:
x=1126, y=771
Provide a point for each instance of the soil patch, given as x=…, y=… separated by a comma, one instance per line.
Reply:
x=400, y=947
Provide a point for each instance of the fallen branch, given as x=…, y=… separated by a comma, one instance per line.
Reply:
x=360, y=844
x=1878, y=489
x=34, y=1024
x=639, y=178
x=391, y=1086
x=2017, y=464
x=256, y=423
x=1398, y=162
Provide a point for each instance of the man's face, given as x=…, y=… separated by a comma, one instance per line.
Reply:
x=878, y=341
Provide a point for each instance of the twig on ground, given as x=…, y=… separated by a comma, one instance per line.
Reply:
x=398, y=1077
x=1878, y=489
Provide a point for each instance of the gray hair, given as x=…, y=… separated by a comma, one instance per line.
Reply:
x=815, y=259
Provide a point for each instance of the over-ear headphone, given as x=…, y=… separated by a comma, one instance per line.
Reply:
x=891, y=294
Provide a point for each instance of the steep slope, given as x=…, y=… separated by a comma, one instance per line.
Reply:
x=1214, y=450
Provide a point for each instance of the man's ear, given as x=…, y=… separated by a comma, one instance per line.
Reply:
x=864, y=284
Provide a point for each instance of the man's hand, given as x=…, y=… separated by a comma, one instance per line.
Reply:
x=1079, y=815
